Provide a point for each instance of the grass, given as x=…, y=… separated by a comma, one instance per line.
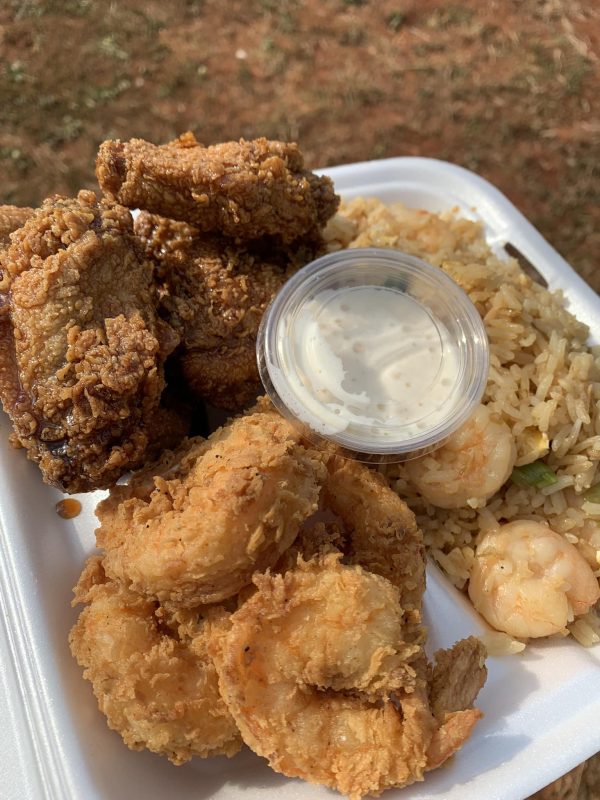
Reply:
x=449, y=16
x=16, y=157
x=109, y=46
x=396, y=20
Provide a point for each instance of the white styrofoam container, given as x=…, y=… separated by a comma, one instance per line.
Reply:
x=541, y=708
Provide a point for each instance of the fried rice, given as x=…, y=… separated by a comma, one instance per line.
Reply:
x=544, y=382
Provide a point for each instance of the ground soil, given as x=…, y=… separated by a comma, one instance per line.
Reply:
x=504, y=87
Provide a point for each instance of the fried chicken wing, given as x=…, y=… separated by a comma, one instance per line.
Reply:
x=11, y=219
x=84, y=349
x=245, y=189
x=154, y=689
x=214, y=292
x=193, y=528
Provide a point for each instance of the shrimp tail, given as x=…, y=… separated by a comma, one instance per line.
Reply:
x=451, y=735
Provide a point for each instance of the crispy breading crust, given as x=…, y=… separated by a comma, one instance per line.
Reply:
x=154, y=690
x=193, y=528
x=12, y=218
x=245, y=189
x=321, y=679
x=83, y=374
x=214, y=292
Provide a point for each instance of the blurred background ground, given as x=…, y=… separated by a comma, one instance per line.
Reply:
x=505, y=88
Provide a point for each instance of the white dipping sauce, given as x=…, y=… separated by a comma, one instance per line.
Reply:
x=369, y=357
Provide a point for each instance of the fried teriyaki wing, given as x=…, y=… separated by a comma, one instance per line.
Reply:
x=214, y=292
x=245, y=189
x=84, y=375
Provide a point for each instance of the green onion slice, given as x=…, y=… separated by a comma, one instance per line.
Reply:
x=536, y=474
x=592, y=495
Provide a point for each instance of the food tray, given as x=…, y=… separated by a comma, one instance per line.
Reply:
x=541, y=708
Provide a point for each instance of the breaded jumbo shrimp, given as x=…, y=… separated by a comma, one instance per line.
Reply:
x=153, y=689
x=307, y=667
x=193, y=528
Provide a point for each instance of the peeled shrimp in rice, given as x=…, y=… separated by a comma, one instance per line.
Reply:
x=194, y=527
x=528, y=581
x=154, y=690
x=470, y=466
x=308, y=666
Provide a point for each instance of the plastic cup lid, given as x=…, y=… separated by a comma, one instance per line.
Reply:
x=375, y=350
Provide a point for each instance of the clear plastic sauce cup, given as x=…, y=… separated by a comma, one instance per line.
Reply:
x=376, y=351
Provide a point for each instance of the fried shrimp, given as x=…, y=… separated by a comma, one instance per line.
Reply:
x=311, y=692
x=290, y=693
x=363, y=518
x=528, y=581
x=193, y=528
x=381, y=531
x=368, y=524
x=470, y=467
x=154, y=690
